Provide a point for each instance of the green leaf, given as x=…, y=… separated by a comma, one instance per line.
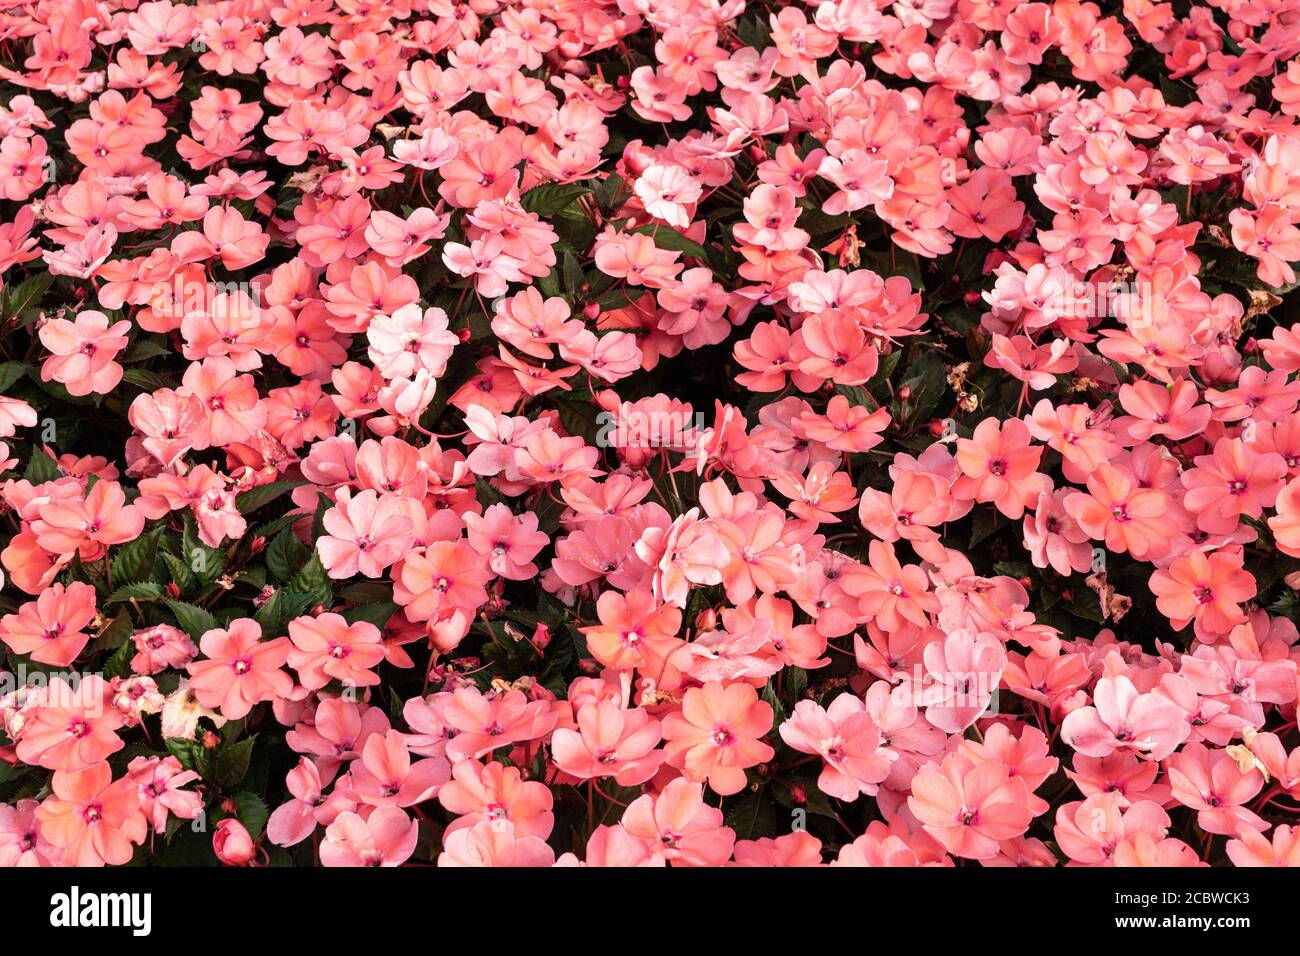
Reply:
x=928, y=382
x=752, y=816
x=668, y=238
x=191, y=754
x=231, y=763
x=378, y=614
x=181, y=574
x=205, y=563
x=41, y=467
x=143, y=349
x=252, y=813
x=135, y=560
x=139, y=590
x=120, y=662
x=311, y=578
x=149, y=381
x=549, y=198
x=27, y=295
x=255, y=498
x=611, y=192
x=285, y=555
x=281, y=608
x=194, y=621
x=10, y=372
x=113, y=636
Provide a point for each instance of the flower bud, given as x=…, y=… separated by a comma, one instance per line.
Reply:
x=232, y=844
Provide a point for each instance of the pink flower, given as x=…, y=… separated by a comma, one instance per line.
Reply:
x=609, y=742
x=848, y=741
x=92, y=818
x=384, y=837
x=83, y=351
x=1124, y=719
x=1211, y=783
x=52, y=628
x=326, y=648
x=679, y=823
x=240, y=670
x=716, y=735
x=970, y=807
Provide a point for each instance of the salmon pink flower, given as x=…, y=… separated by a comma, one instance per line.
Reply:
x=386, y=836
x=716, y=735
x=1208, y=589
x=240, y=669
x=494, y=843
x=21, y=841
x=970, y=807
x=72, y=728
x=492, y=792
x=1124, y=719
x=327, y=648
x=93, y=818
x=386, y=776
x=609, y=742
x=365, y=534
x=484, y=724
x=51, y=628
x=847, y=739
x=681, y=825
x=1254, y=849
x=1211, y=783
x=999, y=465
x=83, y=353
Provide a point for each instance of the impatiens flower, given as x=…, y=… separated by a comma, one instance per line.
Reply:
x=327, y=648
x=366, y=534
x=969, y=807
x=492, y=792
x=83, y=352
x=386, y=836
x=1208, y=589
x=483, y=724
x=681, y=825
x=1211, y=783
x=89, y=524
x=1124, y=719
x=609, y=742
x=21, y=840
x=73, y=728
x=92, y=818
x=160, y=781
x=52, y=628
x=848, y=741
x=999, y=465
x=494, y=843
x=386, y=776
x=1252, y=848
x=716, y=734
x=964, y=669
x=239, y=669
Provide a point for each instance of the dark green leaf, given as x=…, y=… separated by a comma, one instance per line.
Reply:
x=194, y=621
x=255, y=498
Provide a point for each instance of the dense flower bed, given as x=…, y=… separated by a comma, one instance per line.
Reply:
x=622, y=432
